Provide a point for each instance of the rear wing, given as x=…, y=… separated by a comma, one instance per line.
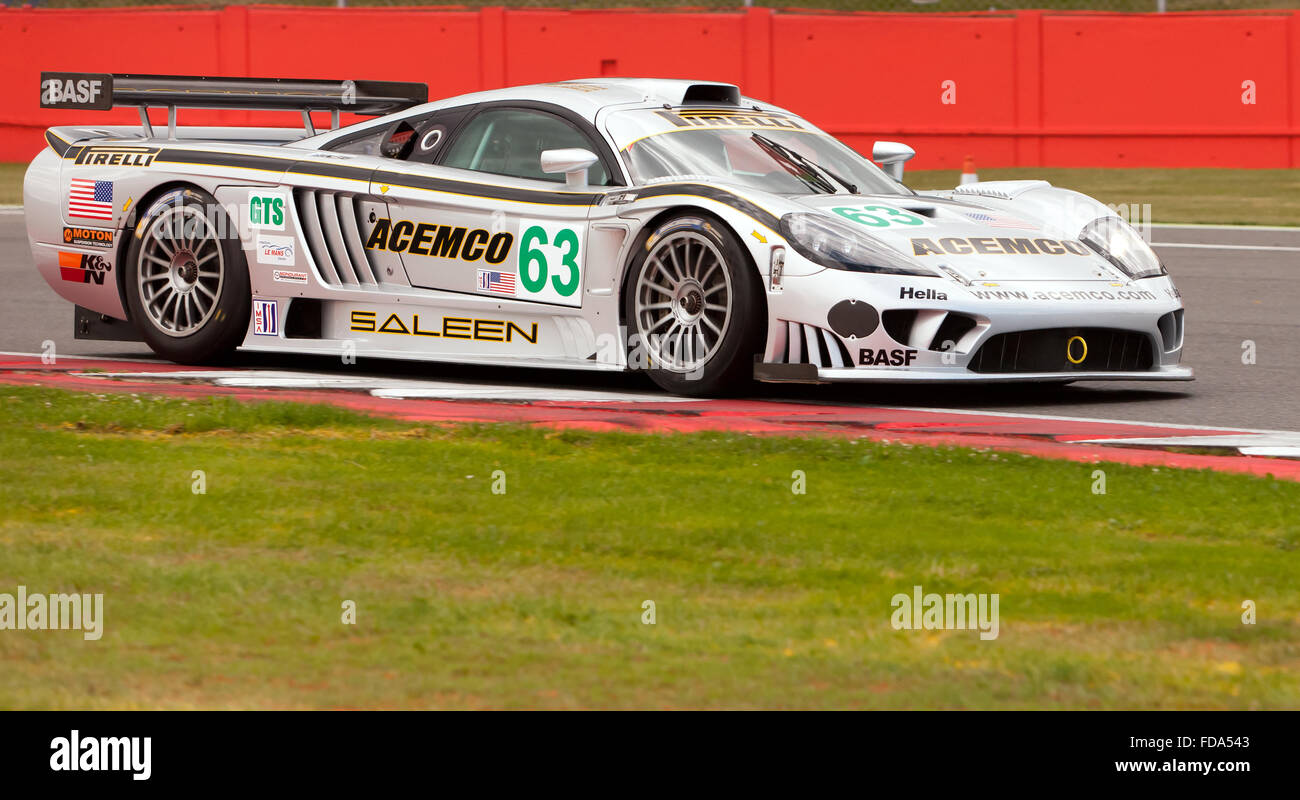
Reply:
x=102, y=91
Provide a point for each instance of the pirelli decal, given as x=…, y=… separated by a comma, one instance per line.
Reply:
x=469, y=328
x=714, y=118
x=440, y=241
x=999, y=246
x=116, y=156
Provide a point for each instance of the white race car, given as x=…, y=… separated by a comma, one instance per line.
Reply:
x=669, y=226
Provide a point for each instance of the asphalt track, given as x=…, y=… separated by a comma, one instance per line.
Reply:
x=1238, y=284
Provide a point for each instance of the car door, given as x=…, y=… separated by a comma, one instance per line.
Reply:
x=471, y=210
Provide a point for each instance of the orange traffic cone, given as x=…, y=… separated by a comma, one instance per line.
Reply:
x=968, y=171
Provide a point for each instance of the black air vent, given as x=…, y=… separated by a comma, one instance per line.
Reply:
x=718, y=94
x=1057, y=350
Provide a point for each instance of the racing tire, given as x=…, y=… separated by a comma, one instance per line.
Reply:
x=694, y=308
x=186, y=279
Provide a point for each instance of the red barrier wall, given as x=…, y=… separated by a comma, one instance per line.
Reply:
x=1033, y=88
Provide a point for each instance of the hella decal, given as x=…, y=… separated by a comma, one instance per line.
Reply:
x=1002, y=246
x=908, y=293
x=440, y=241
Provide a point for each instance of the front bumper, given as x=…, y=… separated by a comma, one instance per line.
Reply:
x=814, y=337
x=807, y=373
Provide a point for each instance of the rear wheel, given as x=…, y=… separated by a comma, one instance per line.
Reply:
x=694, y=308
x=186, y=279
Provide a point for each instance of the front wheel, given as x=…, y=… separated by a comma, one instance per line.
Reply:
x=694, y=308
x=186, y=278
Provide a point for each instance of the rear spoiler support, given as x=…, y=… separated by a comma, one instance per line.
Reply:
x=102, y=91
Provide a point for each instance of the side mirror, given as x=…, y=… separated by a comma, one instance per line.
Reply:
x=890, y=156
x=572, y=161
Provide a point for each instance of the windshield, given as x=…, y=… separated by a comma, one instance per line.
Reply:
x=772, y=160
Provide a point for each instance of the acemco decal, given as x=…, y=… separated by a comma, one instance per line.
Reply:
x=482, y=330
x=1003, y=246
x=440, y=241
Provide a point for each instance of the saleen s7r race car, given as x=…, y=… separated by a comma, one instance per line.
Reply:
x=663, y=225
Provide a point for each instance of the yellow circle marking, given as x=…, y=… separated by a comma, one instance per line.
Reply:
x=1069, y=349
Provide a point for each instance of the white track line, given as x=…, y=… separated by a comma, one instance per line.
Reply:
x=68, y=357
x=1208, y=227
x=928, y=410
x=1058, y=418
x=396, y=388
x=1201, y=246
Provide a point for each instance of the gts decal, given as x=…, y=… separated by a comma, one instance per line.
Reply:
x=440, y=241
x=1003, y=246
x=481, y=330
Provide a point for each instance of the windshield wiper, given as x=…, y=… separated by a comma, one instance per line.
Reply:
x=807, y=163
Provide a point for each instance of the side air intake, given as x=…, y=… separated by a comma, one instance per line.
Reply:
x=797, y=343
x=331, y=224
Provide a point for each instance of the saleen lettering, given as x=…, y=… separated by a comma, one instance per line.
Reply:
x=886, y=358
x=440, y=241
x=1000, y=246
x=481, y=330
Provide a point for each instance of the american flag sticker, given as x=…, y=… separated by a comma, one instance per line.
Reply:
x=90, y=199
x=265, y=320
x=496, y=282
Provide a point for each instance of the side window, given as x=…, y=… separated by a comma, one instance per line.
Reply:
x=417, y=139
x=433, y=133
x=510, y=141
x=366, y=144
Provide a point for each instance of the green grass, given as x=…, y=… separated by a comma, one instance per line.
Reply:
x=11, y=183
x=1225, y=196
x=469, y=599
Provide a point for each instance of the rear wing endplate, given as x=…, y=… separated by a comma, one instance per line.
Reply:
x=102, y=91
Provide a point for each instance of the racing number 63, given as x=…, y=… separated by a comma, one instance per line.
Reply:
x=534, y=267
x=883, y=217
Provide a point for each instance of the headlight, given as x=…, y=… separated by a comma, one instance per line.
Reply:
x=1122, y=246
x=839, y=245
